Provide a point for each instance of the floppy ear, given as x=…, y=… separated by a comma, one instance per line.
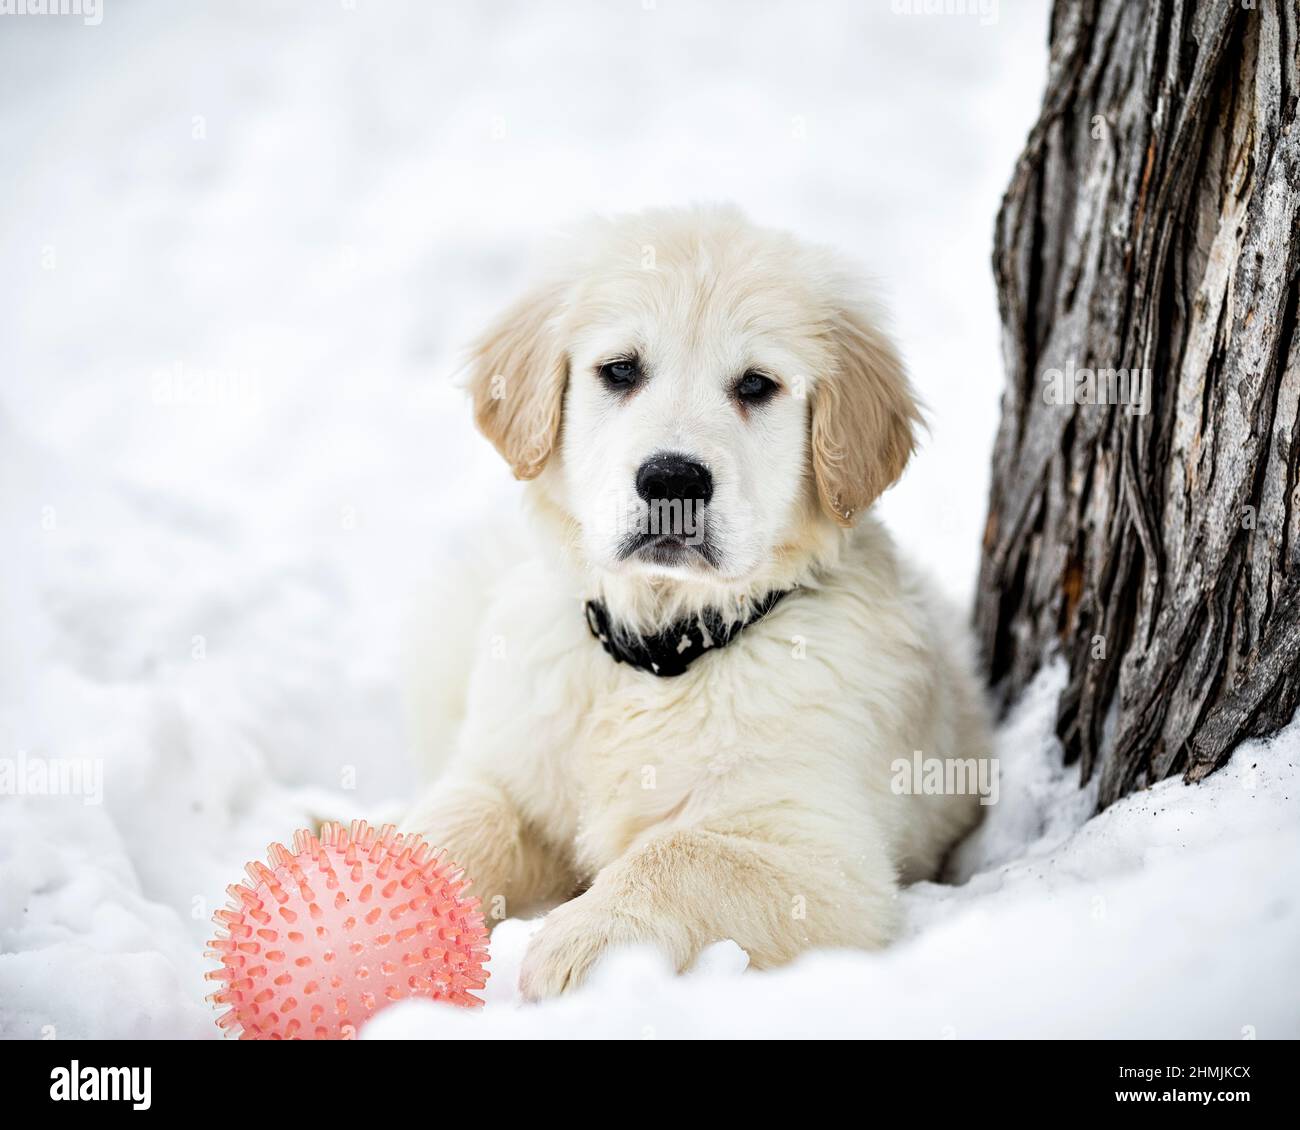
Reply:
x=517, y=381
x=863, y=416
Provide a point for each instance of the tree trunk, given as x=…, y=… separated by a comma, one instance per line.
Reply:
x=1152, y=225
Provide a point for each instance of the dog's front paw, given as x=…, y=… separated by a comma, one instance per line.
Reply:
x=573, y=938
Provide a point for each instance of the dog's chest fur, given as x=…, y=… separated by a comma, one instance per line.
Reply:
x=613, y=751
x=799, y=717
x=650, y=749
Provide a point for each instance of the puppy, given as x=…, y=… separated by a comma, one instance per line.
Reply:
x=688, y=719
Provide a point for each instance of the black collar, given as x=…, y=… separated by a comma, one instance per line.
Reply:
x=677, y=646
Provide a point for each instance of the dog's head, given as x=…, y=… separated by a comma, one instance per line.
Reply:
x=703, y=396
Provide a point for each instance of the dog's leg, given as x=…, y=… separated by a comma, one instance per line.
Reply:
x=483, y=831
x=683, y=890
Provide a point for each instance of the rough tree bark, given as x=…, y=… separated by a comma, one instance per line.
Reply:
x=1152, y=224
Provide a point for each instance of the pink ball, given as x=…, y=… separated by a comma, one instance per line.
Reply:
x=346, y=924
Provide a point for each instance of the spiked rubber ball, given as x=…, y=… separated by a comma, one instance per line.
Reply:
x=318, y=939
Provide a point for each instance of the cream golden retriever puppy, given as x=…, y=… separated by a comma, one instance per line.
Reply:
x=686, y=713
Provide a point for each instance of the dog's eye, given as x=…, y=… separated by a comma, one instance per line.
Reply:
x=754, y=388
x=620, y=375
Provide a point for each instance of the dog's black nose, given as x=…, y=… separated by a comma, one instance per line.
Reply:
x=668, y=477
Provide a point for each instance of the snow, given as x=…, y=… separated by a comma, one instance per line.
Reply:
x=243, y=248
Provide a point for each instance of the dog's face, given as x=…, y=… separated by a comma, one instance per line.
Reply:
x=685, y=438
x=702, y=389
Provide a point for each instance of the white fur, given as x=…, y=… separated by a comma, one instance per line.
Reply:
x=749, y=798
